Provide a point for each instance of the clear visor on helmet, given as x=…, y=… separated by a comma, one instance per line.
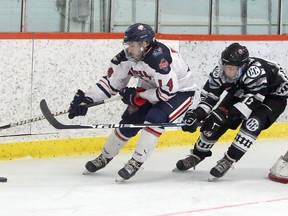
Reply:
x=134, y=50
x=231, y=73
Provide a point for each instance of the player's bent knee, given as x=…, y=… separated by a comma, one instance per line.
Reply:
x=254, y=125
x=128, y=132
x=156, y=116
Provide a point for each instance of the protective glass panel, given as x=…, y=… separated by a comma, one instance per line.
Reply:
x=285, y=17
x=246, y=17
x=10, y=16
x=262, y=16
x=228, y=17
x=184, y=17
x=170, y=16
x=127, y=12
x=43, y=16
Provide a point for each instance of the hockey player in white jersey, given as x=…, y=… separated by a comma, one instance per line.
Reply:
x=164, y=92
x=256, y=96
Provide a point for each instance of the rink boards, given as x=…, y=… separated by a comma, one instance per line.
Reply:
x=52, y=66
x=78, y=146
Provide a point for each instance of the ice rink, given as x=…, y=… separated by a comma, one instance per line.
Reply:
x=56, y=186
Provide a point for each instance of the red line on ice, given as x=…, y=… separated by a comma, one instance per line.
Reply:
x=224, y=207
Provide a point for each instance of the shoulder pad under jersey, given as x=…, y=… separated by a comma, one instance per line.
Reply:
x=215, y=77
x=120, y=57
x=253, y=72
x=159, y=59
x=215, y=74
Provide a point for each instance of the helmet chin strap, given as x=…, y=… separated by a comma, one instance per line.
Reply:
x=147, y=51
x=142, y=56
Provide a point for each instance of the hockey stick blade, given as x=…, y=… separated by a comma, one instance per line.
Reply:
x=56, y=124
x=52, y=120
x=27, y=121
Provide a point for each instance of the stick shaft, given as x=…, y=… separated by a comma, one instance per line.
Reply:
x=39, y=118
x=58, y=125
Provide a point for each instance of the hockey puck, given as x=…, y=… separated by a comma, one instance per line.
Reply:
x=3, y=179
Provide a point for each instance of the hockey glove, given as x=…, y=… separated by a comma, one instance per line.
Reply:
x=215, y=120
x=234, y=114
x=131, y=96
x=192, y=119
x=234, y=118
x=77, y=106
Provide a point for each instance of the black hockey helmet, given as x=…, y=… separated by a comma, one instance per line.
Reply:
x=139, y=32
x=235, y=54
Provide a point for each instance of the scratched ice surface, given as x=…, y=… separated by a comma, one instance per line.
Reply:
x=56, y=186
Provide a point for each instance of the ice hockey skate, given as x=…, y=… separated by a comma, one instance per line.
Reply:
x=187, y=163
x=221, y=168
x=94, y=165
x=129, y=170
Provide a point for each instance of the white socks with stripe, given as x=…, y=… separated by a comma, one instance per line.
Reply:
x=147, y=143
x=113, y=144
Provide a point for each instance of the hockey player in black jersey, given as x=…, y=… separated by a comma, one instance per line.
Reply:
x=164, y=92
x=256, y=96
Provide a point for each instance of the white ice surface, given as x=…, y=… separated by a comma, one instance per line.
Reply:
x=56, y=186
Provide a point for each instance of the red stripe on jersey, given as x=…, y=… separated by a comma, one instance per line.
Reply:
x=155, y=133
x=161, y=95
x=180, y=109
x=106, y=84
x=120, y=136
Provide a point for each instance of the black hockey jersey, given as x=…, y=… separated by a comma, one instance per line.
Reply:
x=258, y=80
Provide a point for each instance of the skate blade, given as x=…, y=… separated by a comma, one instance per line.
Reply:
x=176, y=170
x=212, y=179
x=86, y=172
x=119, y=179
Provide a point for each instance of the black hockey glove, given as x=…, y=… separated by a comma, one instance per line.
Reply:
x=192, y=118
x=215, y=120
x=221, y=116
x=234, y=118
x=131, y=96
x=234, y=114
x=77, y=106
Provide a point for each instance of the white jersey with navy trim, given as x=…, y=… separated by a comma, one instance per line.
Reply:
x=162, y=73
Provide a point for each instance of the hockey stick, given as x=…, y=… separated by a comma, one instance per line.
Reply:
x=56, y=124
x=56, y=113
